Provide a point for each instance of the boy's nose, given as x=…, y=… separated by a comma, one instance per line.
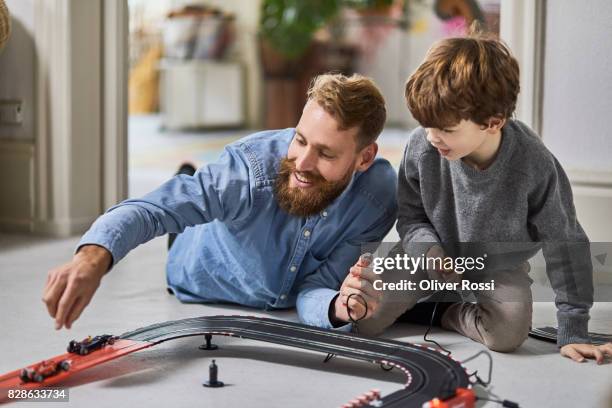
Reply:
x=432, y=137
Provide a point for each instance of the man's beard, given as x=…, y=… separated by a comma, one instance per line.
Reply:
x=296, y=201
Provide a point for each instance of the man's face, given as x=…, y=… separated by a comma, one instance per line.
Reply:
x=459, y=141
x=320, y=162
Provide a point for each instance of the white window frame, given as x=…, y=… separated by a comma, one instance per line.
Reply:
x=522, y=28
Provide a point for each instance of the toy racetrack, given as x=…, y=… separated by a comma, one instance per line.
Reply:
x=429, y=373
x=550, y=334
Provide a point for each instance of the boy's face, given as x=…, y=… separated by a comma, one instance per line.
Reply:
x=463, y=139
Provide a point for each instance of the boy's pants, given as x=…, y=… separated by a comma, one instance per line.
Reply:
x=499, y=318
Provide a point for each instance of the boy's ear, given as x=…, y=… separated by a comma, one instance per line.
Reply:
x=496, y=123
x=367, y=156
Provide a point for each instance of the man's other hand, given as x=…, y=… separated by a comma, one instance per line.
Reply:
x=360, y=282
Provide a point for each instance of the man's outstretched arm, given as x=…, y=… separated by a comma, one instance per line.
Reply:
x=221, y=190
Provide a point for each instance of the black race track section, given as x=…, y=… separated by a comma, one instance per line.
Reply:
x=428, y=372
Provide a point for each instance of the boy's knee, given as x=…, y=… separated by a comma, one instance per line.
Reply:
x=371, y=330
x=375, y=326
x=505, y=328
x=387, y=313
x=505, y=339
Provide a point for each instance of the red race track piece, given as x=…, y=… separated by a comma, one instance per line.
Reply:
x=76, y=363
x=463, y=398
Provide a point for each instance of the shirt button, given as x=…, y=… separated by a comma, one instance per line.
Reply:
x=324, y=214
x=293, y=268
x=307, y=233
x=283, y=297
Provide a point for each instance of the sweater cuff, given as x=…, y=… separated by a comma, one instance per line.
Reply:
x=573, y=328
x=419, y=246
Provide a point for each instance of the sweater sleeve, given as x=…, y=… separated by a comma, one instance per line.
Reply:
x=413, y=225
x=553, y=222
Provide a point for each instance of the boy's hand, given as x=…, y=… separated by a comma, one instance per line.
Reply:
x=578, y=352
x=359, y=281
x=436, y=252
x=71, y=286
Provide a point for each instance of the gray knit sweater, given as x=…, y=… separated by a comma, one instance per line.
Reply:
x=523, y=197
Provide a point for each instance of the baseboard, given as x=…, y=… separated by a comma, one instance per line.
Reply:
x=593, y=204
x=17, y=185
x=597, y=179
x=16, y=226
x=63, y=228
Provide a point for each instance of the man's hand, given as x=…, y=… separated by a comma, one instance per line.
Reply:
x=70, y=287
x=359, y=281
x=578, y=352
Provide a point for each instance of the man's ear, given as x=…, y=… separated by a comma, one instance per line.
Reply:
x=496, y=123
x=366, y=157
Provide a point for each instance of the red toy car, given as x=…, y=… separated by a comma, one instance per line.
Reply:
x=43, y=370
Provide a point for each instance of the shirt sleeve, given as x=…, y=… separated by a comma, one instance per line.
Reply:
x=320, y=288
x=413, y=225
x=222, y=191
x=567, y=253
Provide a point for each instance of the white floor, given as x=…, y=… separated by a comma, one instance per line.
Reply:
x=260, y=375
x=133, y=295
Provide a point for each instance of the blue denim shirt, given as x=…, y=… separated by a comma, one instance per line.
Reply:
x=236, y=244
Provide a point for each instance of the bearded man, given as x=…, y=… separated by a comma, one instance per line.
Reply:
x=275, y=223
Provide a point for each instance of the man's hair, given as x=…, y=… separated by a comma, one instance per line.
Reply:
x=353, y=101
x=472, y=78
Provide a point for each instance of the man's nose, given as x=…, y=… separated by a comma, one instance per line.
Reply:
x=305, y=161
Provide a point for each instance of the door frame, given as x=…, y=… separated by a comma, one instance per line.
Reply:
x=81, y=112
x=115, y=113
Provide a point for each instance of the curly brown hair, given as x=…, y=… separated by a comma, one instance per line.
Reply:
x=472, y=78
x=353, y=101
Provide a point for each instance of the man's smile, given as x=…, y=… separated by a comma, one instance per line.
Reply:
x=301, y=180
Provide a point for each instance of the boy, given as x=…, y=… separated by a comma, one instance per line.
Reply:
x=471, y=174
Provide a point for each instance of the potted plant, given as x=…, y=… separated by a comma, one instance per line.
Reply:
x=290, y=55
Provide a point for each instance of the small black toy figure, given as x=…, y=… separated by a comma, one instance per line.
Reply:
x=212, y=377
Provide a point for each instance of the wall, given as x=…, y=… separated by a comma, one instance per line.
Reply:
x=17, y=81
x=578, y=84
x=50, y=167
x=17, y=65
x=577, y=103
